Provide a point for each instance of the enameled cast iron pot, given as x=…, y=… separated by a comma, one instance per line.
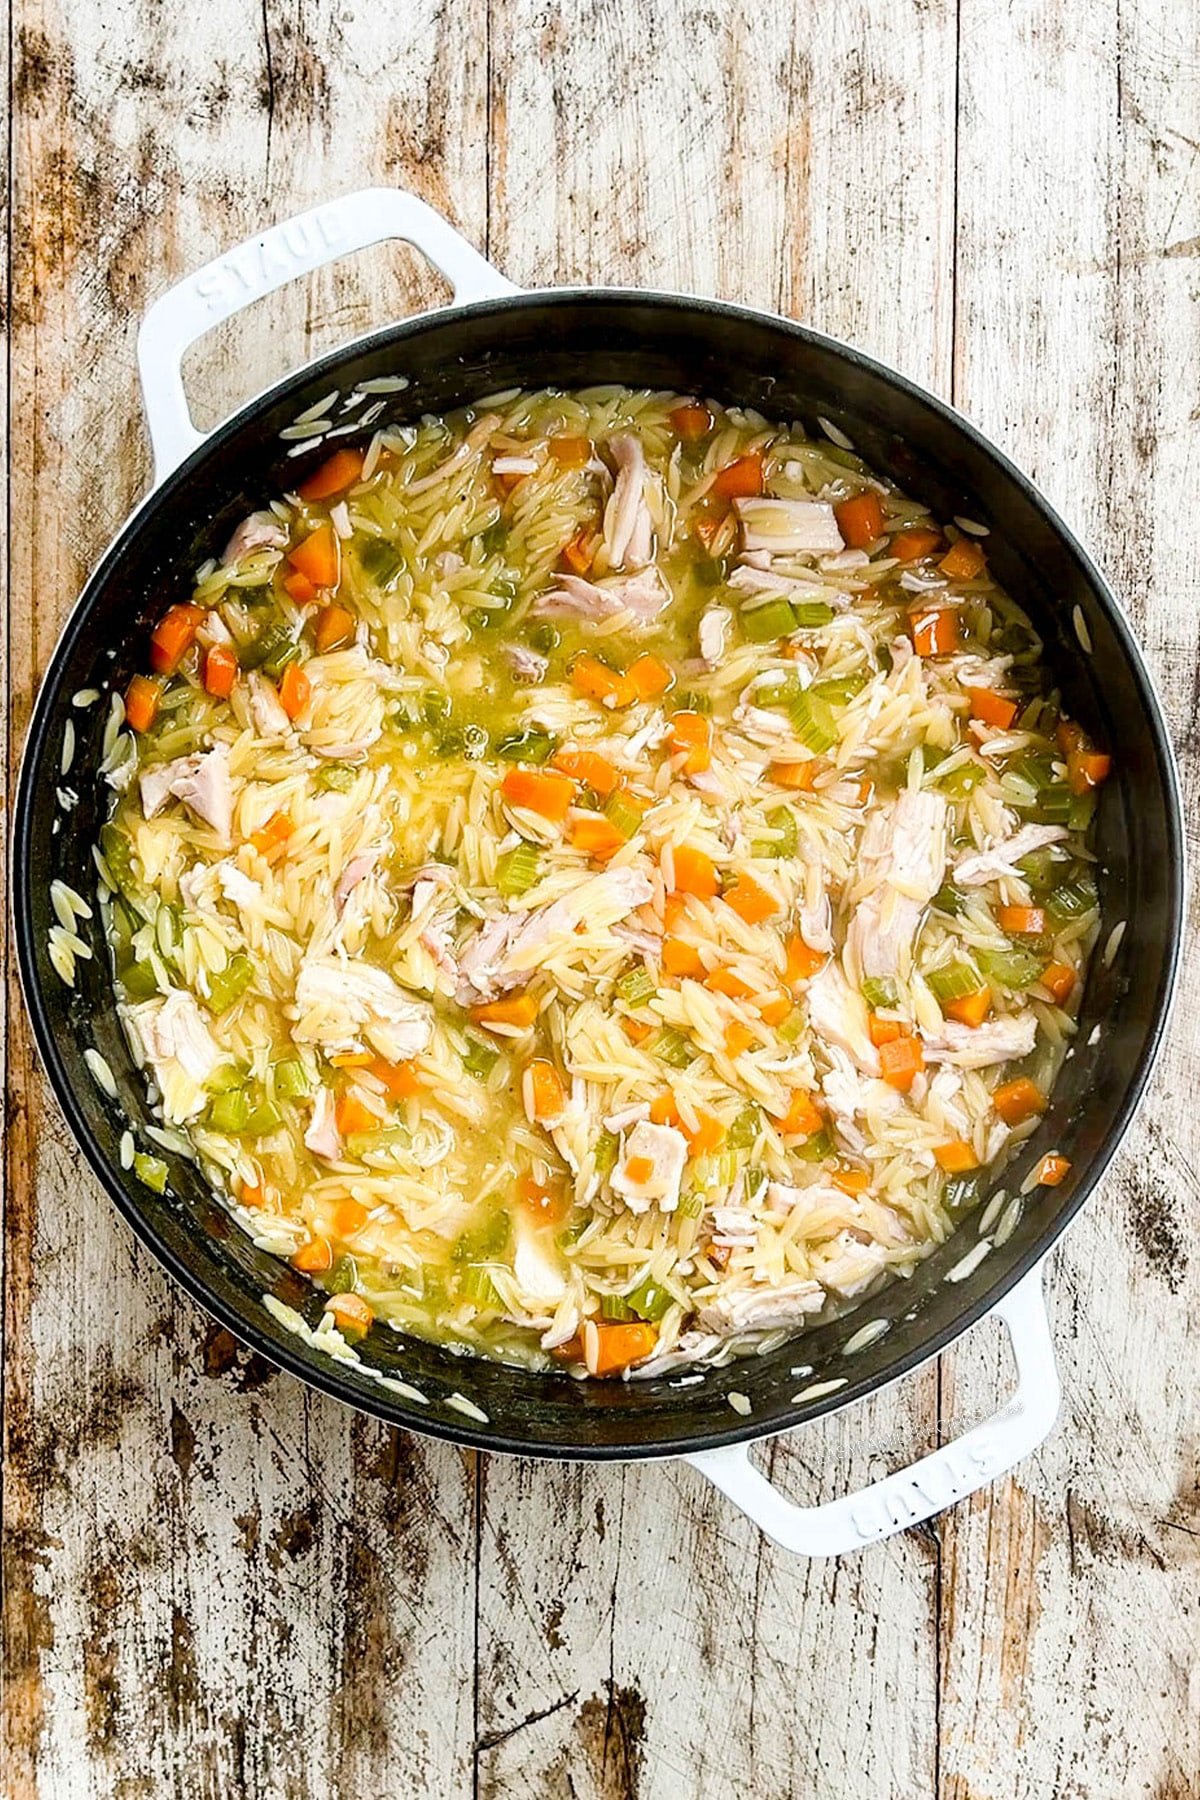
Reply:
x=494, y=337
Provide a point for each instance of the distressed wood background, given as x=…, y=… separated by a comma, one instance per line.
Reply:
x=219, y=1585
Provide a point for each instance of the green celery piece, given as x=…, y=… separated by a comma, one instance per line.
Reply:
x=485, y=1242
x=811, y=614
x=779, y=688
x=545, y=638
x=335, y=777
x=361, y=1144
x=961, y=1193
x=139, y=981
x=691, y=1204
x=605, y=1152
x=950, y=900
x=263, y=1120
x=814, y=1149
x=230, y=984
x=690, y=700
x=230, y=1112
x=382, y=561
x=436, y=706
x=1015, y=968
x=716, y=1170
x=272, y=649
x=517, y=869
x=1073, y=898
x=953, y=981
x=743, y=1133
x=291, y=1083
x=792, y=1027
x=671, y=1047
x=880, y=990
x=840, y=689
x=962, y=780
x=650, y=1301
x=782, y=821
x=620, y=812
x=763, y=624
x=343, y=1276
x=151, y=1170
x=478, y=1287
x=1082, y=811
x=931, y=757
x=1042, y=868
x=709, y=570
x=612, y=1306
x=636, y=986
x=1054, y=804
x=479, y=1059
x=526, y=746
x=116, y=847
x=812, y=720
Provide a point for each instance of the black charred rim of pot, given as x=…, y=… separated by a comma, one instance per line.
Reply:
x=277, y=1344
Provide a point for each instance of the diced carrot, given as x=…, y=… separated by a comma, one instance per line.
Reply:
x=901, y=1061
x=1070, y=736
x=1027, y=921
x=991, y=708
x=802, y=963
x=577, y=551
x=650, y=675
x=295, y=690
x=520, y=1010
x=299, y=588
x=570, y=452
x=595, y=836
x=708, y=527
x=253, y=1194
x=801, y=1118
x=963, y=561
x=400, y=1081
x=750, y=900
x=173, y=637
x=691, y=736
x=680, y=958
x=276, y=831
x=607, y=1349
x=543, y=1092
x=335, y=627
x=349, y=1216
x=636, y=1030
x=738, y=1037
x=592, y=770
x=740, y=479
x=957, y=1157
x=914, y=542
x=352, y=1059
x=1052, y=1168
x=970, y=1009
x=596, y=681
x=860, y=520
x=1086, y=769
x=884, y=1031
x=801, y=777
x=539, y=790
x=851, y=1181
x=639, y=1168
x=774, y=1008
x=505, y=480
x=719, y=1254
x=220, y=671
x=548, y=1201
x=934, y=630
x=663, y=1110
x=353, y=1115
x=695, y=872
x=351, y=1314
x=141, y=702
x=1058, y=979
x=690, y=421
x=1018, y=1100
x=708, y=1136
x=314, y=1257
x=724, y=981
x=674, y=911
x=335, y=473
x=318, y=557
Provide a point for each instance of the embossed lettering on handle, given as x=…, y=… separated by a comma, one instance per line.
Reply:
x=933, y=1483
x=282, y=254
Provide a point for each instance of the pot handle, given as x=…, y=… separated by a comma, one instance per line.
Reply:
x=261, y=264
x=936, y=1481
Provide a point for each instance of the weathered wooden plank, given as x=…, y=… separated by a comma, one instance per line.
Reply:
x=1068, y=1618
x=778, y=161
x=216, y=1583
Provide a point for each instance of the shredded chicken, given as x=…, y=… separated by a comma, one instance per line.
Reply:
x=665, y=1151
x=837, y=1014
x=537, y=1267
x=322, y=1136
x=177, y=1044
x=762, y=1309
x=270, y=720
x=749, y=578
x=628, y=529
x=341, y=1001
x=355, y=872
x=979, y=1046
x=978, y=867
x=788, y=527
x=714, y=634
x=506, y=949
x=202, y=782
x=642, y=595
x=258, y=531
x=902, y=859
x=527, y=665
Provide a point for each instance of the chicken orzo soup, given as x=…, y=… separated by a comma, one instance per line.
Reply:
x=599, y=879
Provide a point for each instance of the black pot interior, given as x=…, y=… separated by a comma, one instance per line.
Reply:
x=572, y=340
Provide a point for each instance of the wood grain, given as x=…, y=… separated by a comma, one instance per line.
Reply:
x=218, y=1584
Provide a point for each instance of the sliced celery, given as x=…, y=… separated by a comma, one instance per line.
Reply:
x=526, y=746
x=691, y=1204
x=1014, y=968
x=743, y=1133
x=613, y=1306
x=622, y=814
x=152, y=1170
x=650, y=1301
x=962, y=780
x=773, y=619
x=605, y=1153
x=517, y=870
x=786, y=839
x=840, y=689
x=953, y=981
x=671, y=1047
x=116, y=847
x=1073, y=898
x=810, y=615
x=487, y=1240
x=949, y=899
x=716, y=1170
x=230, y=984
x=291, y=1083
x=812, y=719
x=880, y=990
x=479, y=1059
x=343, y=1276
x=478, y=1287
x=636, y=986
x=230, y=1111
x=381, y=561
x=335, y=777
x=815, y=1148
x=263, y=1120
x=780, y=688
